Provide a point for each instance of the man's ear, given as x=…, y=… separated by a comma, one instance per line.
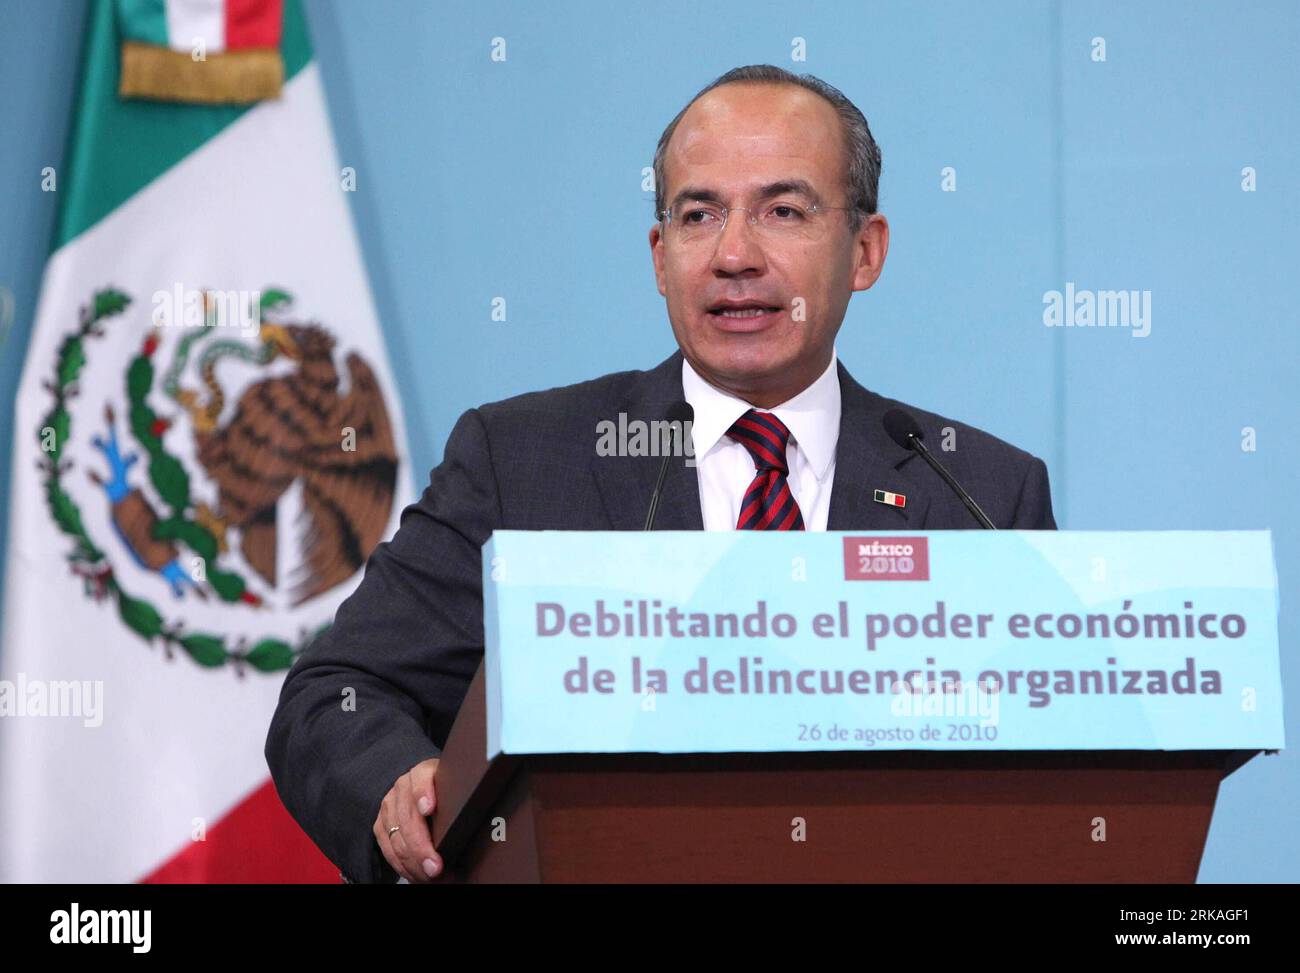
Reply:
x=870, y=246
x=657, y=255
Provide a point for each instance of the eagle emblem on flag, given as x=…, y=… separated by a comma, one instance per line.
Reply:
x=195, y=465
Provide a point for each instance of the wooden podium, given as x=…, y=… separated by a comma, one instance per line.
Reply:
x=887, y=816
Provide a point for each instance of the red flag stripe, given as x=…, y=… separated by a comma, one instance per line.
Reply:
x=253, y=23
x=256, y=842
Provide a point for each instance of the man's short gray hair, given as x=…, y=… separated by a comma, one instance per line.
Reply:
x=863, y=177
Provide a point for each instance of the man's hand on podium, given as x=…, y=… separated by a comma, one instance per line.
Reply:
x=402, y=825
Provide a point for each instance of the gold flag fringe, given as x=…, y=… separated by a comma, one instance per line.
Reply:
x=228, y=77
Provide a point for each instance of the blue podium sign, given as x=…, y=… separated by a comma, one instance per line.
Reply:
x=741, y=641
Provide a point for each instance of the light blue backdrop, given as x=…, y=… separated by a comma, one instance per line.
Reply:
x=522, y=179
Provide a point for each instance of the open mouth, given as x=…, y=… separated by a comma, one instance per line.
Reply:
x=744, y=312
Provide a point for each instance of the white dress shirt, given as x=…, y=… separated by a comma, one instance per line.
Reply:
x=725, y=468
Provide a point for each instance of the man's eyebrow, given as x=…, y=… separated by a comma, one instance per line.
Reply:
x=701, y=194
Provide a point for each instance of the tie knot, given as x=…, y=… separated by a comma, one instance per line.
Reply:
x=765, y=436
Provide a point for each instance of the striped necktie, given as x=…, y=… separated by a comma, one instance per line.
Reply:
x=768, y=503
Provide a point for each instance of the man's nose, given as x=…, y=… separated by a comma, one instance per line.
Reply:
x=738, y=248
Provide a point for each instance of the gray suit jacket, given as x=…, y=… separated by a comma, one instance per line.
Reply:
x=408, y=641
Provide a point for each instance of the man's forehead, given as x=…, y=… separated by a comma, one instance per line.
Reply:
x=701, y=146
x=772, y=127
x=739, y=103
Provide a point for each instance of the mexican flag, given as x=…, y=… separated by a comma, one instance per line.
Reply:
x=209, y=444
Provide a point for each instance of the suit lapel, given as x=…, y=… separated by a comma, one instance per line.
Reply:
x=626, y=483
x=866, y=460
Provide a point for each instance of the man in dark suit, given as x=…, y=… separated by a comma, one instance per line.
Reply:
x=784, y=439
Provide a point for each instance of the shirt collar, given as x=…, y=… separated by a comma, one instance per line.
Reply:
x=812, y=416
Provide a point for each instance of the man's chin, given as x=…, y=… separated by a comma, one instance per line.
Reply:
x=744, y=363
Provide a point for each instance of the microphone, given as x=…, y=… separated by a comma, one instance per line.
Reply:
x=677, y=412
x=906, y=432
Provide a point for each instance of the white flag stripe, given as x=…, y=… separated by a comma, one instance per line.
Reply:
x=191, y=22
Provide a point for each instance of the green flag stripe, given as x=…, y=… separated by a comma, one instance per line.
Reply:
x=116, y=148
x=144, y=20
